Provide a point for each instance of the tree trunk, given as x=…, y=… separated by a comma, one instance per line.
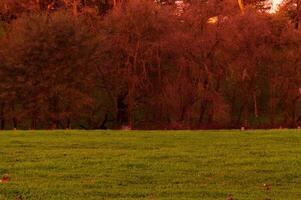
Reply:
x=239, y=118
x=202, y=112
x=2, y=117
x=103, y=124
x=14, y=120
x=294, y=112
x=130, y=106
x=75, y=7
x=68, y=123
x=33, y=124
x=255, y=104
x=122, y=113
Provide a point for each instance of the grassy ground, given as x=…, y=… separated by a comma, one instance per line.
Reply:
x=151, y=165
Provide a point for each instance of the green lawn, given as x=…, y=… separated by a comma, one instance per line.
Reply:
x=151, y=165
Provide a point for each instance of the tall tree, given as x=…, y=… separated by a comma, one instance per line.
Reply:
x=133, y=34
x=48, y=67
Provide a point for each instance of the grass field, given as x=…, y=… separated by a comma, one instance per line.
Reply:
x=255, y=165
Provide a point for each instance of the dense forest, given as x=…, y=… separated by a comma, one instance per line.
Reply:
x=98, y=64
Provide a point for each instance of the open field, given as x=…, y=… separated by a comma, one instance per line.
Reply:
x=255, y=165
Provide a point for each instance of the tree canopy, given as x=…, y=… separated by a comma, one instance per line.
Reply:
x=148, y=64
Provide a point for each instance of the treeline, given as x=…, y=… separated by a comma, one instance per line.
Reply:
x=148, y=65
